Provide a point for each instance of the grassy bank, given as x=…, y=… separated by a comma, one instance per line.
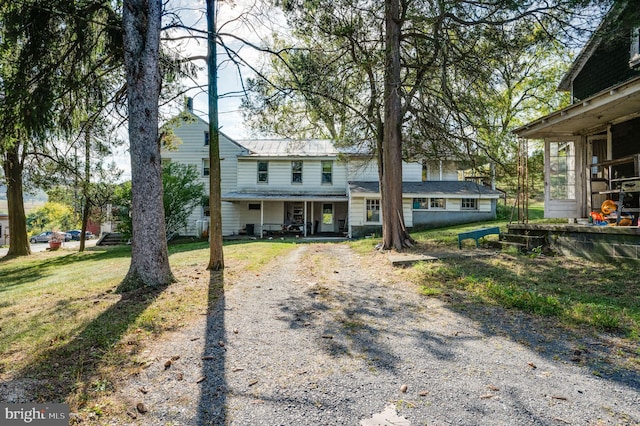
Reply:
x=62, y=323
x=575, y=292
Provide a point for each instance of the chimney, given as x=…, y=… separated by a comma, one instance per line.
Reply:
x=188, y=104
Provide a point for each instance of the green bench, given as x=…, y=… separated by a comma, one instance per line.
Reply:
x=476, y=234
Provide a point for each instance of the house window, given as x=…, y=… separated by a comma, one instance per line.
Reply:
x=420, y=203
x=634, y=52
x=438, y=203
x=205, y=167
x=206, y=138
x=469, y=204
x=562, y=170
x=327, y=172
x=296, y=172
x=263, y=172
x=373, y=210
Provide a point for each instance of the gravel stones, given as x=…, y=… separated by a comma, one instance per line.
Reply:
x=325, y=337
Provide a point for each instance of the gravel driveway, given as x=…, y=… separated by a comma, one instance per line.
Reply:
x=326, y=337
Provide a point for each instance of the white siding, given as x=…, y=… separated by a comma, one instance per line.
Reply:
x=407, y=212
x=279, y=173
x=363, y=171
x=367, y=171
x=411, y=172
x=357, y=216
x=192, y=150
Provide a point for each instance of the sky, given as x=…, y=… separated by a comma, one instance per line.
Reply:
x=246, y=19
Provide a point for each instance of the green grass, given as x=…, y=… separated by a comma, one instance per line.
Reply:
x=61, y=320
x=605, y=296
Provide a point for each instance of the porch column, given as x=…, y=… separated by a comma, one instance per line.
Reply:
x=261, y=218
x=304, y=222
x=312, y=205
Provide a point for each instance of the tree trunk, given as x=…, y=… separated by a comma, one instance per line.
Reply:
x=216, y=256
x=149, y=254
x=86, y=206
x=394, y=235
x=18, y=242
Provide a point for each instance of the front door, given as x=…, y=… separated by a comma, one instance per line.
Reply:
x=327, y=218
x=562, y=178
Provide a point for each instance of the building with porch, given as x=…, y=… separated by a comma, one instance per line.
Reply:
x=592, y=147
x=309, y=187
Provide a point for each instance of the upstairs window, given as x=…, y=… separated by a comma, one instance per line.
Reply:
x=296, y=172
x=263, y=172
x=327, y=172
x=206, y=138
x=205, y=167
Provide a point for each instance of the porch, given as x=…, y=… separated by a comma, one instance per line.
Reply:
x=265, y=215
x=594, y=242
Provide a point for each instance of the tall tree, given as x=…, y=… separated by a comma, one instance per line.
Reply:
x=43, y=50
x=149, y=253
x=216, y=255
x=394, y=233
x=442, y=47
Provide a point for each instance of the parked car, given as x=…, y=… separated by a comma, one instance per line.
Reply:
x=44, y=237
x=41, y=238
x=75, y=235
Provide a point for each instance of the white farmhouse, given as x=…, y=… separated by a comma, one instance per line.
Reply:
x=308, y=187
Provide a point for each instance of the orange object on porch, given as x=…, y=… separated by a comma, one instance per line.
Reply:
x=608, y=207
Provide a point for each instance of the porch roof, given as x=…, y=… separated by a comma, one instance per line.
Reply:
x=614, y=105
x=442, y=188
x=281, y=196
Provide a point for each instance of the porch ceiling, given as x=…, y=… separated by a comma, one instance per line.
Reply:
x=614, y=105
x=260, y=196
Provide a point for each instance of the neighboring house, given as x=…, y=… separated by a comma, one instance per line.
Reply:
x=309, y=187
x=592, y=147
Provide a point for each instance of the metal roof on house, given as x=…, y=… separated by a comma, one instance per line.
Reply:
x=282, y=196
x=444, y=188
x=290, y=148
